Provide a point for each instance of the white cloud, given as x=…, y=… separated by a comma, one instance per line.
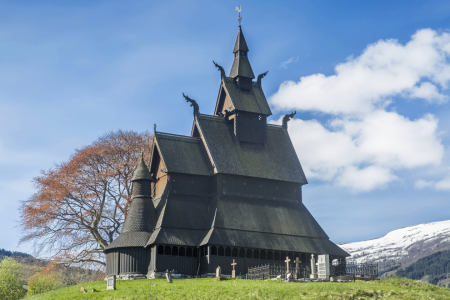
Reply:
x=291, y=60
x=385, y=69
x=362, y=144
x=365, y=179
x=441, y=185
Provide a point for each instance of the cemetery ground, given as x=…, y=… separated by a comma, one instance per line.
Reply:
x=207, y=288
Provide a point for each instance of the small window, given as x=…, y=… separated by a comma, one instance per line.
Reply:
x=228, y=251
x=235, y=252
x=269, y=255
x=242, y=253
x=189, y=252
x=276, y=256
x=221, y=251
x=255, y=254
x=160, y=249
x=213, y=250
x=167, y=250
x=195, y=252
x=303, y=258
x=174, y=251
x=262, y=255
x=249, y=253
x=182, y=251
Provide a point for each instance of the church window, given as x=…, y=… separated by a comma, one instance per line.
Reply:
x=174, y=251
x=263, y=254
x=276, y=256
x=213, y=250
x=221, y=251
x=283, y=256
x=303, y=257
x=167, y=250
x=228, y=251
x=242, y=253
x=182, y=251
x=195, y=252
x=189, y=252
x=256, y=254
x=269, y=255
x=235, y=252
x=249, y=253
x=160, y=249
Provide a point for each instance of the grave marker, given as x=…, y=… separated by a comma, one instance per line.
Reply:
x=233, y=273
x=324, y=266
x=287, y=264
x=313, y=268
x=297, y=269
x=111, y=282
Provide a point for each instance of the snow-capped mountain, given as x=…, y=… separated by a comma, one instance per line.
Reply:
x=403, y=245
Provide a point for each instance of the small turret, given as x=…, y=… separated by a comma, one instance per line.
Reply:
x=142, y=214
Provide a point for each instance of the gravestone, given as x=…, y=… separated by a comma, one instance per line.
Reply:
x=233, y=273
x=313, y=268
x=111, y=282
x=287, y=264
x=168, y=276
x=297, y=269
x=218, y=274
x=324, y=266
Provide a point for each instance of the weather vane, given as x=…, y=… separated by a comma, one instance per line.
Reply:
x=239, y=11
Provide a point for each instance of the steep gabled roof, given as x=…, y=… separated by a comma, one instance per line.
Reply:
x=240, y=44
x=252, y=101
x=277, y=160
x=182, y=154
x=241, y=67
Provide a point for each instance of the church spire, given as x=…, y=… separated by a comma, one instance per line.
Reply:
x=241, y=69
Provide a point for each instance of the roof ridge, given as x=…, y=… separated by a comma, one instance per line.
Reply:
x=171, y=135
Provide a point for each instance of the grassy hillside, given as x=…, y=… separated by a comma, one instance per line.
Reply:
x=392, y=288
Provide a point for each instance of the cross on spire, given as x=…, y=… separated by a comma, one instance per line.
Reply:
x=238, y=9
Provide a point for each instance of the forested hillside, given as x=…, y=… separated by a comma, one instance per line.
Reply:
x=4, y=252
x=436, y=266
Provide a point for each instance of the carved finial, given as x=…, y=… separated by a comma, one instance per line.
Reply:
x=154, y=129
x=193, y=104
x=222, y=71
x=287, y=118
x=261, y=76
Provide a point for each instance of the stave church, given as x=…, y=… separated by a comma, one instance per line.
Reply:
x=230, y=190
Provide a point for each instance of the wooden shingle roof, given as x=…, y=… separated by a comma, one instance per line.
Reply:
x=277, y=160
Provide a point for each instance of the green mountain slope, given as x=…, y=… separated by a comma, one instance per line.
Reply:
x=434, y=267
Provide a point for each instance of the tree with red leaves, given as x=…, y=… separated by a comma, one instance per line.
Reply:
x=80, y=205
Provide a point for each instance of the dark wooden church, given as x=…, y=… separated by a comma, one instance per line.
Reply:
x=230, y=190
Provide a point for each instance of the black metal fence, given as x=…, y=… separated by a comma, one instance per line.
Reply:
x=361, y=269
x=340, y=267
x=268, y=271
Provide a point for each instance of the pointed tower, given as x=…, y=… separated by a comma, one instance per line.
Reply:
x=243, y=101
x=241, y=71
x=127, y=255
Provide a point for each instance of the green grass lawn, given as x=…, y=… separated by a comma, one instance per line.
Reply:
x=392, y=288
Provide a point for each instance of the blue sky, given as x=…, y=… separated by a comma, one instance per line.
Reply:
x=369, y=81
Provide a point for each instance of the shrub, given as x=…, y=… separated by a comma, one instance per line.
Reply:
x=11, y=275
x=41, y=283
